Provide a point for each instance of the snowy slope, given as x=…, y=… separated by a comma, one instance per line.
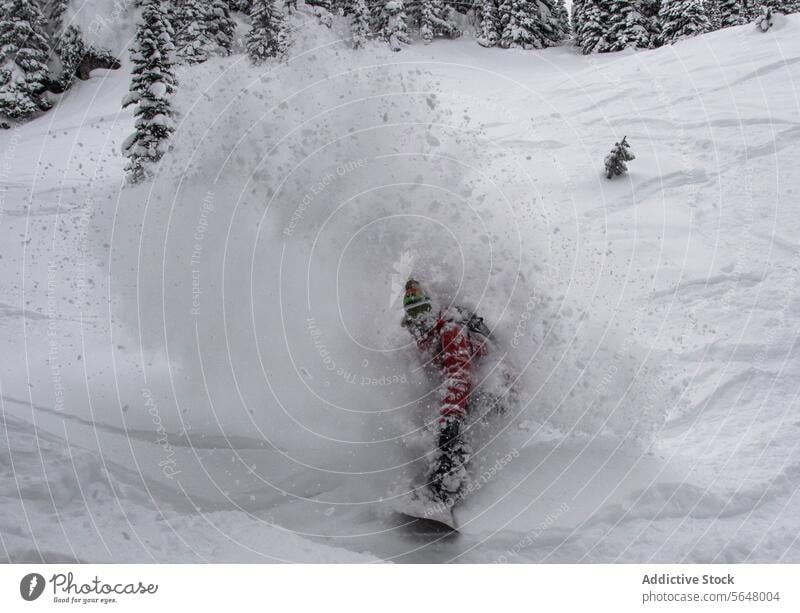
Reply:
x=221, y=349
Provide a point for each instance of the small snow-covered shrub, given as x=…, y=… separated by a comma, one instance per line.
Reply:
x=615, y=161
x=765, y=20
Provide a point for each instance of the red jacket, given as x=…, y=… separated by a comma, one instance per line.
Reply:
x=454, y=351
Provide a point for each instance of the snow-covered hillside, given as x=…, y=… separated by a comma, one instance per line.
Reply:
x=210, y=366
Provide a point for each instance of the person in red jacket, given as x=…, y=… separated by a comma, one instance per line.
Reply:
x=448, y=340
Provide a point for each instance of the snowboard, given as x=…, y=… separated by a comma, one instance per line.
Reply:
x=423, y=505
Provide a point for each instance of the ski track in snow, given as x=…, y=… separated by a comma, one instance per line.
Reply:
x=652, y=318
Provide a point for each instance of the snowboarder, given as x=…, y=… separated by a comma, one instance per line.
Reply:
x=453, y=339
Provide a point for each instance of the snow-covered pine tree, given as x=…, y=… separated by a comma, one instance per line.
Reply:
x=194, y=41
x=96, y=57
x=731, y=13
x=54, y=11
x=594, y=26
x=765, y=20
x=243, y=6
x=650, y=10
x=576, y=20
x=682, y=19
x=426, y=20
x=553, y=21
x=462, y=6
x=783, y=6
x=152, y=85
x=615, y=161
x=530, y=24
x=433, y=18
x=393, y=23
x=71, y=50
x=359, y=22
x=628, y=27
x=74, y=58
x=268, y=36
x=750, y=9
x=713, y=13
x=516, y=22
x=449, y=27
x=221, y=25
x=488, y=26
x=563, y=17
x=23, y=59
x=171, y=13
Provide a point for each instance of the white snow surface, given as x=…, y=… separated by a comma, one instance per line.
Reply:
x=210, y=367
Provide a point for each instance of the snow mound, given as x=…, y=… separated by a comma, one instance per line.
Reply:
x=60, y=503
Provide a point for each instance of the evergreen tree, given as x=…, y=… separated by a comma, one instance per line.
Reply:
x=713, y=13
x=629, y=27
x=71, y=50
x=751, y=9
x=393, y=24
x=377, y=16
x=194, y=40
x=268, y=35
x=682, y=19
x=592, y=30
x=782, y=6
x=553, y=20
x=563, y=17
x=53, y=11
x=462, y=6
x=433, y=17
x=152, y=85
x=77, y=59
x=426, y=20
x=615, y=161
x=23, y=59
x=221, y=25
x=530, y=24
x=764, y=20
x=731, y=13
x=359, y=22
x=650, y=10
x=576, y=21
x=488, y=30
x=516, y=21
